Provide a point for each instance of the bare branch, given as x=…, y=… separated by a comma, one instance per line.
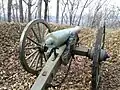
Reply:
x=89, y=3
x=33, y=4
x=34, y=10
x=82, y=12
x=63, y=10
x=25, y=2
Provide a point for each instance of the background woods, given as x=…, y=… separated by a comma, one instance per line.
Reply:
x=86, y=13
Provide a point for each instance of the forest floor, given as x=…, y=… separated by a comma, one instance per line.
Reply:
x=14, y=77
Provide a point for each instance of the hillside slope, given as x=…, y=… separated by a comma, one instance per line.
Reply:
x=13, y=76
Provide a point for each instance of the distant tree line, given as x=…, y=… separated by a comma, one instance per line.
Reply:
x=72, y=12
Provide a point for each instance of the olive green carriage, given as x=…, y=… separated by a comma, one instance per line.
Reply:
x=43, y=51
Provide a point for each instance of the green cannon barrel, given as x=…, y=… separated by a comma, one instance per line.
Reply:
x=57, y=38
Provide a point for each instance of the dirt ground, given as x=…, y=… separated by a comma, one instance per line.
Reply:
x=14, y=77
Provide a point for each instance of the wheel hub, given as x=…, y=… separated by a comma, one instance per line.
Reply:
x=102, y=57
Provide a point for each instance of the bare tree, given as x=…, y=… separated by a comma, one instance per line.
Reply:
x=84, y=6
x=35, y=15
x=39, y=8
x=89, y=18
x=0, y=12
x=66, y=18
x=21, y=10
x=45, y=11
x=16, y=6
x=3, y=10
x=9, y=10
x=72, y=4
x=98, y=7
x=112, y=17
x=48, y=15
x=36, y=12
x=65, y=4
x=75, y=11
x=29, y=4
x=13, y=13
x=69, y=11
x=29, y=10
x=25, y=15
x=57, y=12
x=73, y=8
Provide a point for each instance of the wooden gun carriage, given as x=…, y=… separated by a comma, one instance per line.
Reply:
x=43, y=51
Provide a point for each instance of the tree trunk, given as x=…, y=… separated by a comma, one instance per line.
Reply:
x=29, y=10
x=82, y=12
x=9, y=10
x=48, y=15
x=25, y=19
x=62, y=17
x=3, y=11
x=21, y=10
x=46, y=8
x=71, y=14
x=57, y=12
x=35, y=16
x=98, y=7
x=29, y=4
x=0, y=16
x=13, y=12
x=16, y=12
x=39, y=8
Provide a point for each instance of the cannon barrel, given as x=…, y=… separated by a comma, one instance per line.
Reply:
x=57, y=38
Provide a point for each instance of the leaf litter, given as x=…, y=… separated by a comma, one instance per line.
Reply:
x=14, y=77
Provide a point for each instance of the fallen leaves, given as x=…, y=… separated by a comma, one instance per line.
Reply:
x=13, y=76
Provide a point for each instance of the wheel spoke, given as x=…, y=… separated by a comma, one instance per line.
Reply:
x=32, y=47
x=41, y=60
x=97, y=77
x=39, y=31
x=46, y=32
x=103, y=39
x=35, y=35
x=34, y=41
x=34, y=58
x=36, y=65
x=42, y=32
x=44, y=57
x=31, y=54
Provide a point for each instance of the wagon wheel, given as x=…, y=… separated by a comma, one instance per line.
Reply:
x=96, y=65
x=32, y=55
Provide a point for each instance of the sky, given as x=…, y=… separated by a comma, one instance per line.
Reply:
x=115, y=2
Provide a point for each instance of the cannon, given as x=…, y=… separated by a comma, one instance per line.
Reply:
x=43, y=51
